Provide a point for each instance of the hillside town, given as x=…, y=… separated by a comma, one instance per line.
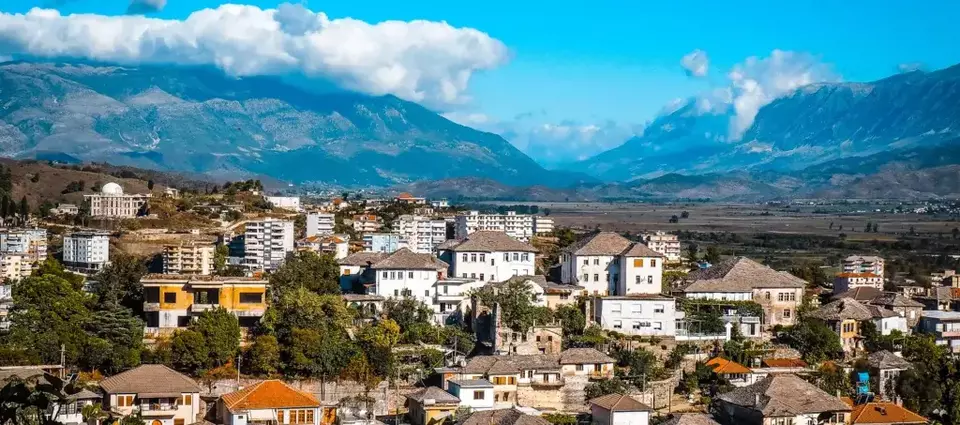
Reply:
x=235, y=307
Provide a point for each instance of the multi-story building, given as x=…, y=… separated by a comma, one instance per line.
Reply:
x=664, y=243
x=406, y=198
x=421, y=234
x=490, y=257
x=944, y=326
x=405, y=273
x=155, y=393
x=846, y=316
x=6, y=303
x=86, y=251
x=267, y=242
x=780, y=294
x=30, y=243
x=440, y=203
x=65, y=209
x=781, y=399
x=606, y=263
x=189, y=258
x=642, y=314
x=319, y=224
x=291, y=203
x=14, y=267
x=172, y=301
x=846, y=281
x=542, y=225
x=366, y=223
x=382, y=242
x=863, y=264
x=329, y=244
x=112, y=203
x=518, y=226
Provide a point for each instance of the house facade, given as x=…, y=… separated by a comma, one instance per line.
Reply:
x=848, y=280
x=641, y=314
x=606, y=263
x=189, y=258
x=173, y=301
x=111, y=202
x=87, y=251
x=270, y=401
x=781, y=400
x=319, y=224
x=489, y=256
x=665, y=243
x=519, y=226
x=160, y=395
x=944, y=326
x=267, y=243
x=421, y=234
x=619, y=409
x=863, y=264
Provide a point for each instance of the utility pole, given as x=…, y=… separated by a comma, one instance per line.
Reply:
x=239, y=356
x=63, y=357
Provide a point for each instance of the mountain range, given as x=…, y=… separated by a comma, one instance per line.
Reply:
x=890, y=138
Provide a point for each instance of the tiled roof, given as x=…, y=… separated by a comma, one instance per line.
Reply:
x=472, y=383
x=879, y=312
x=739, y=275
x=784, y=395
x=861, y=293
x=583, y=356
x=843, y=309
x=405, y=259
x=490, y=241
x=270, y=394
x=84, y=394
x=882, y=412
x=850, y=274
x=620, y=403
x=640, y=250
x=449, y=243
x=784, y=363
x=691, y=419
x=722, y=366
x=362, y=259
x=509, y=365
x=149, y=379
x=895, y=300
x=433, y=393
x=501, y=417
x=602, y=243
x=886, y=360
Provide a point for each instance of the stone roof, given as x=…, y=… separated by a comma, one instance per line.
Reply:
x=640, y=250
x=362, y=298
x=84, y=394
x=739, y=275
x=149, y=381
x=583, y=356
x=602, y=243
x=861, y=293
x=691, y=419
x=362, y=259
x=405, y=259
x=784, y=363
x=490, y=241
x=784, y=395
x=620, y=403
x=433, y=393
x=879, y=312
x=472, y=383
x=513, y=364
x=887, y=360
x=449, y=243
x=843, y=309
x=501, y=417
x=895, y=300
x=269, y=394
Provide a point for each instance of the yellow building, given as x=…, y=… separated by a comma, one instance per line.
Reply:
x=172, y=301
x=431, y=406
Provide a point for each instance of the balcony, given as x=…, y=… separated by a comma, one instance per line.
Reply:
x=540, y=383
x=448, y=298
x=603, y=374
x=148, y=306
x=200, y=308
x=158, y=410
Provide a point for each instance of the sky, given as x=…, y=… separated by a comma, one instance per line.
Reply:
x=562, y=80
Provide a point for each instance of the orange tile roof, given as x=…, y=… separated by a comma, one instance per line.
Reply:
x=784, y=363
x=868, y=275
x=882, y=412
x=723, y=366
x=270, y=394
x=404, y=195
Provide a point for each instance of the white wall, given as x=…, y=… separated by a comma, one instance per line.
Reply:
x=721, y=296
x=601, y=272
x=888, y=324
x=641, y=275
x=392, y=283
x=492, y=265
x=603, y=416
x=466, y=397
x=628, y=313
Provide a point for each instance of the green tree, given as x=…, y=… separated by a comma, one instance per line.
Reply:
x=149, y=184
x=263, y=357
x=221, y=335
x=517, y=310
x=116, y=340
x=414, y=318
x=712, y=255
x=220, y=258
x=604, y=387
x=815, y=340
x=49, y=312
x=316, y=273
x=316, y=354
x=27, y=399
x=693, y=253
x=24, y=208
x=303, y=309
x=572, y=319
x=119, y=282
x=189, y=352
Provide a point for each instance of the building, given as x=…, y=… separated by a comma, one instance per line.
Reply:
x=112, y=203
x=86, y=251
x=518, y=226
x=270, y=401
x=30, y=243
x=542, y=225
x=440, y=203
x=406, y=198
x=944, y=326
x=904, y=306
x=421, y=234
x=639, y=314
x=501, y=417
x=382, y=242
x=666, y=244
x=431, y=405
x=6, y=303
x=619, y=409
x=606, y=263
x=366, y=223
x=328, y=244
x=691, y=419
x=319, y=224
x=781, y=399
x=882, y=413
x=742, y=279
x=291, y=203
x=490, y=257
x=846, y=281
x=737, y=374
x=14, y=267
x=886, y=366
x=70, y=409
x=172, y=301
x=65, y=209
x=267, y=242
x=156, y=393
x=474, y=394
x=189, y=258
x=355, y=270
x=405, y=273
x=846, y=315
x=863, y=264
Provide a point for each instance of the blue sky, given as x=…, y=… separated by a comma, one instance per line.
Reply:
x=615, y=64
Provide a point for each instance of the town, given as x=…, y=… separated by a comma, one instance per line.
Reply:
x=406, y=310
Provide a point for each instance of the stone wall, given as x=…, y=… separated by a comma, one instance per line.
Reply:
x=657, y=394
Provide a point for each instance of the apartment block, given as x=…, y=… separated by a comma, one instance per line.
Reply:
x=365, y=223
x=863, y=264
x=421, y=234
x=172, y=301
x=14, y=267
x=518, y=226
x=267, y=243
x=490, y=257
x=542, y=225
x=664, y=243
x=319, y=224
x=189, y=258
x=86, y=251
x=30, y=243
x=846, y=281
x=382, y=242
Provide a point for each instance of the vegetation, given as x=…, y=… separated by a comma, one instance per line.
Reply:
x=517, y=310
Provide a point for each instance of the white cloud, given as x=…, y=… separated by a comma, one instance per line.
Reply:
x=696, y=63
x=139, y=7
x=423, y=61
x=909, y=67
x=469, y=119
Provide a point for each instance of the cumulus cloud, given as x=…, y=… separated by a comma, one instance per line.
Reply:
x=422, y=61
x=140, y=7
x=696, y=63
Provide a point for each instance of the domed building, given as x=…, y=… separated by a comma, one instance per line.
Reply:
x=112, y=203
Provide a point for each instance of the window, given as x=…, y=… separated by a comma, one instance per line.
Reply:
x=464, y=258
x=597, y=368
x=538, y=338
x=792, y=296
x=636, y=308
x=396, y=292
x=511, y=381
x=653, y=262
x=650, y=279
x=426, y=293
x=658, y=308
x=549, y=338
x=579, y=368
x=596, y=277
x=280, y=416
x=478, y=395
x=409, y=275
x=768, y=296
x=586, y=262
x=636, y=325
x=586, y=278
x=169, y=297
x=525, y=257
x=186, y=400
x=124, y=400
x=786, y=314
x=639, y=279
x=393, y=275
x=638, y=262
x=617, y=324
x=473, y=275
x=473, y=258
x=481, y=276
x=178, y=421
x=483, y=258
x=596, y=261
x=615, y=307
x=506, y=256
x=384, y=275
x=780, y=296
x=516, y=256
x=346, y=272
x=445, y=289
x=658, y=326
x=251, y=297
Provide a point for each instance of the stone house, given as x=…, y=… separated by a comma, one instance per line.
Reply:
x=781, y=400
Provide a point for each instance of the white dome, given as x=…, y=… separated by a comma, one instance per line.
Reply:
x=111, y=189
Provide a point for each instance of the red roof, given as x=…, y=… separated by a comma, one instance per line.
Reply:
x=882, y=412
x=723, y=366
x=270, y=394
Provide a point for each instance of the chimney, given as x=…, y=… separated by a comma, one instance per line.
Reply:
x=756, y=399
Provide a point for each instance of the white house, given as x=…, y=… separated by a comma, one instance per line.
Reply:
x=270, y=401
x=606, y=263
x=664, y=243
x=319, y=224
x=846, y=281
x=475, y=394
x=619, y=409
x=642, y=314
x=405, y=273
x=863, y=264
x=157, y=393
x=518, y=226
x=87, y=251
x=291, y=203
x=421, y=234
x=70, y=410
x=491, y=257
x=356, y=269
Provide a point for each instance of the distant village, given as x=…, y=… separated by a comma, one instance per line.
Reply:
x=563, y=328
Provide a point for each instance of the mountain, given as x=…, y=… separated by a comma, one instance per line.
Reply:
x=813, y=124
x=199, y=120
